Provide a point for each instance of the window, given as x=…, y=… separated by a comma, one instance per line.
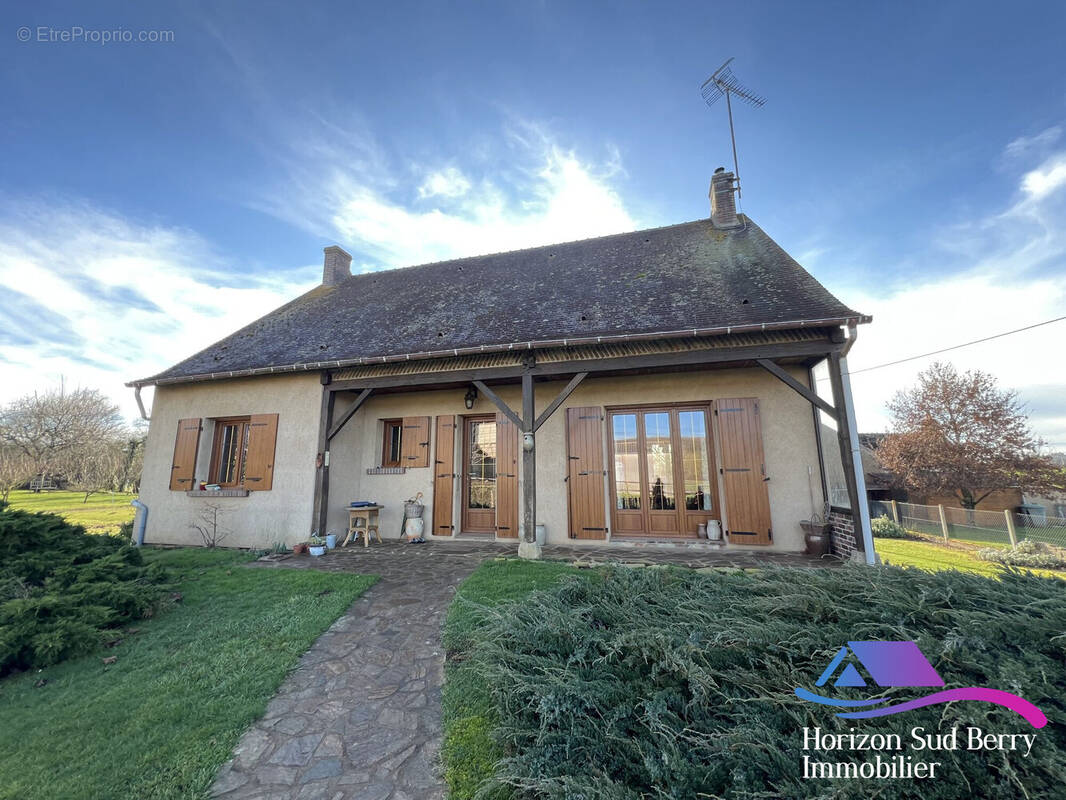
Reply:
x=229, y=454
x=391, y=448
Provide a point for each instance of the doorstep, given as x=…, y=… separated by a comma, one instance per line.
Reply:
x=674, y=542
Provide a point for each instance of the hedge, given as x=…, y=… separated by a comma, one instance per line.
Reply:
x=655, y=683
x=61, y=589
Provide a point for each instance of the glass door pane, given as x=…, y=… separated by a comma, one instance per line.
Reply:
x=481, y=465
x=694, y=462
x=658, y=448
x=626, y=462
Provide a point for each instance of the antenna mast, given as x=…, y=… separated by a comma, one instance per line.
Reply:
x=724, y=82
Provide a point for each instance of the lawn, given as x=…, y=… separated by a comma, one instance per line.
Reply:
x=160, y=721
x=102, y=513
x=659, y=682
x=934, y=556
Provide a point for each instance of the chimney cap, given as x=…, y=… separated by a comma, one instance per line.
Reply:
x=720, y=169
x=336, y=249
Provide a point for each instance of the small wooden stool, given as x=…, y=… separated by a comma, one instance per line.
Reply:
x=363, y=521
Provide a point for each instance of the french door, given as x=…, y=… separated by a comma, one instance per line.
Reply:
x=662, y=470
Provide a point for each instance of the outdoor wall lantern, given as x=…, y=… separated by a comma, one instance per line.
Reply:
x=471, y=396
x=527, y=441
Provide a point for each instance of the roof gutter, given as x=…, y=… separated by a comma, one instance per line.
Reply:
x=313, y=366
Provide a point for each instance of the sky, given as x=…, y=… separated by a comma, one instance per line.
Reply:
x=169, y=173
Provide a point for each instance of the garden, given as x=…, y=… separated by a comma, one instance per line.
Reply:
x=655, y=682
x=128, y=671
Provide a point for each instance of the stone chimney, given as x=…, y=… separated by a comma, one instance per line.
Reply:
x=723, y=203
x=337, y=266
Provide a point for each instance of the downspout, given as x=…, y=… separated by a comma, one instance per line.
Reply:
x=856, y=453
x=142, y=521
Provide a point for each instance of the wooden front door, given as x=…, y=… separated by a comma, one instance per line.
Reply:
x=662, y=475
x=479, y=474
x=744, y=471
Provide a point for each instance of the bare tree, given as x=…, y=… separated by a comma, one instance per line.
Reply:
x=48, y=427
x=962, y=434
x=209, y=525
x=15, y=469
x=98, y=468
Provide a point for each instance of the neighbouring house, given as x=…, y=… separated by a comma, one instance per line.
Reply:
x=624, y=388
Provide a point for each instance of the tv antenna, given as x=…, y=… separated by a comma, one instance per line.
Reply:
x=724, y=82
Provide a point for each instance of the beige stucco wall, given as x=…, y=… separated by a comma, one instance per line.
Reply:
x=282, y=514
x=788, y=441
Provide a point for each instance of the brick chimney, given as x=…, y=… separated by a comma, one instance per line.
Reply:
x=723, y=203
x=337, y=266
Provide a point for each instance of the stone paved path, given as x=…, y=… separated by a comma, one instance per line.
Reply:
x=360, y=717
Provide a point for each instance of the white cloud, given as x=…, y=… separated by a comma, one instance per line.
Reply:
x=538, y=193
x=1016, y=277
x=99, y=300
x=448, y=182
x=1046, y=178
x=1023, y=146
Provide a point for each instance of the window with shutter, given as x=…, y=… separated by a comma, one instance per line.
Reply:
x=414, y=442
x=506, y=477
x=259, y=462
x=585, y=474
x=744, y=478
x=444, y=476
x=183, y=465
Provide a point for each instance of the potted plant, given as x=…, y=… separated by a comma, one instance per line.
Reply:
x=317, y=545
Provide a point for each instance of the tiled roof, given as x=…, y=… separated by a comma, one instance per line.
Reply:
x=688, y=277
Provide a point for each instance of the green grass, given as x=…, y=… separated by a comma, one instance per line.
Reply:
x=160, y=721
x=469, y=752
x=102, y=513
x=934, y=557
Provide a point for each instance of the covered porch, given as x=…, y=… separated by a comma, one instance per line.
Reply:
x=635, y=441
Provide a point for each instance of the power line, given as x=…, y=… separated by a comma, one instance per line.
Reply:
x=956, y=347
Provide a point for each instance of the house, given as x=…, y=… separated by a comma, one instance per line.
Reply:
x=624, y=388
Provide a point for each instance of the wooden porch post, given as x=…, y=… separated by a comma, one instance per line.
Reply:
x=325, y=422
x=528, y=548
x=850, y=456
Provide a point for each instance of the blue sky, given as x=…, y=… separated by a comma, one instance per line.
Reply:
x=155, y=196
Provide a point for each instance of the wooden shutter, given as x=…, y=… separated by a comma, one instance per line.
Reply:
x=444, y=477
x=259, y=463
x=506, y=477
x=183, y=467
x=584, y=473
x=743, y=468
x=414, y=442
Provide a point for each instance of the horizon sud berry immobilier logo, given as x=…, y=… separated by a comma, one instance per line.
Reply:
x=901, y=665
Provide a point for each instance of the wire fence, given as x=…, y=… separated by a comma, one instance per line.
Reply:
x=996, y=528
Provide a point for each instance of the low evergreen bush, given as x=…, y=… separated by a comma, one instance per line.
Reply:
x=655, y=683
x=1026, y=554
x=61, y=589
x=885, y=528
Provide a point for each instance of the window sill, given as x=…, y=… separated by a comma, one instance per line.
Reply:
x=386, y=470
x=217, y=493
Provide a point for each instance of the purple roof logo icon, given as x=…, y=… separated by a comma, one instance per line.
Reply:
x=890, y=664
x=901, y=665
